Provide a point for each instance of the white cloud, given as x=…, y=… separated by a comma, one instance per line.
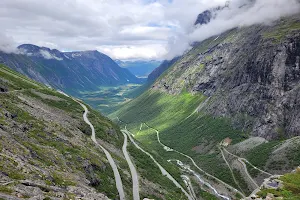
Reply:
x=7, y=44
x=261, y=11
x=147, y=52
x=47, y=55
x=124, y=29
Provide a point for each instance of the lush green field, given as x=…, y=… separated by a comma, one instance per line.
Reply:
x=107, y=98
x=196, y=134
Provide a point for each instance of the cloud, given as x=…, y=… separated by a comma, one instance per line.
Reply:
x=47, y=55
x=147, y=52
x=84, y=24
x=7, y=44
x=124, y=29
x=237, y=15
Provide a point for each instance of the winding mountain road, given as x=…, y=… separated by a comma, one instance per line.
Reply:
x=133, y=171
x=188, y=168
x=163, y=170
x=247, y=173
x=189, y=185
x=231, y=171
x=245, y=160
x=194, y=163
x=112, y=163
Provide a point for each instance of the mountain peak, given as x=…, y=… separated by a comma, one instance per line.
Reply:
x=41, y=52
x=206, y=16
x=29, y=47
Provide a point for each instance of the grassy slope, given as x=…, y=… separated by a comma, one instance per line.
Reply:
x=39, y=141
x=168, y=114
x=53, y=154
x=291, y=189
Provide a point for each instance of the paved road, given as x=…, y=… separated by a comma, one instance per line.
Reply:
x=187, y=168
x=232, y=174
x=194, y=163
x=246, y=171
x=133, y=171
x=112, y=163
x=245, y=160
x=163, y=171
x=189, y=185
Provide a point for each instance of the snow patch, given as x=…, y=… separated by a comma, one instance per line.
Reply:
x=76, y=55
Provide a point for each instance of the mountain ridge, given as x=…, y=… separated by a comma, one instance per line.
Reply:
x=216, y=69
x=71, y=72
x=139, y=68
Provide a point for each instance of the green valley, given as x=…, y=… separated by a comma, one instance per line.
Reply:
x=200, y=105
x=217, y=118
x=107, y=99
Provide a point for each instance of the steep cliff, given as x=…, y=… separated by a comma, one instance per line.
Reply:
x=251, y=71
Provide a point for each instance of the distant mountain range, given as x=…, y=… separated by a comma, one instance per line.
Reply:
x=139, y=68
x=71, y=72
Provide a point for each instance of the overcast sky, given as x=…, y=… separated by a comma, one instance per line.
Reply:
x=124, y=29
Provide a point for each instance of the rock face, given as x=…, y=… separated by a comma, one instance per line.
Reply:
x=67, y=71
x=204, y=18
x=252, y=75
x=161, y=69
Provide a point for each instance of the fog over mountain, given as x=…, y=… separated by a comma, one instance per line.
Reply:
x=236, y=13
x=132, y=29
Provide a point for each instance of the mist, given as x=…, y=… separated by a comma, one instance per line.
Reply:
x=236, y=15
x=7, y=44
x=131, y=29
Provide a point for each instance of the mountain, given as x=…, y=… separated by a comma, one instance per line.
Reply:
x=230, y=101
x=161, y=69
x=256, y=85
x=47, y=151
x=151, y=78
x=206, y=16
x=71, y=72
x=139, y=68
